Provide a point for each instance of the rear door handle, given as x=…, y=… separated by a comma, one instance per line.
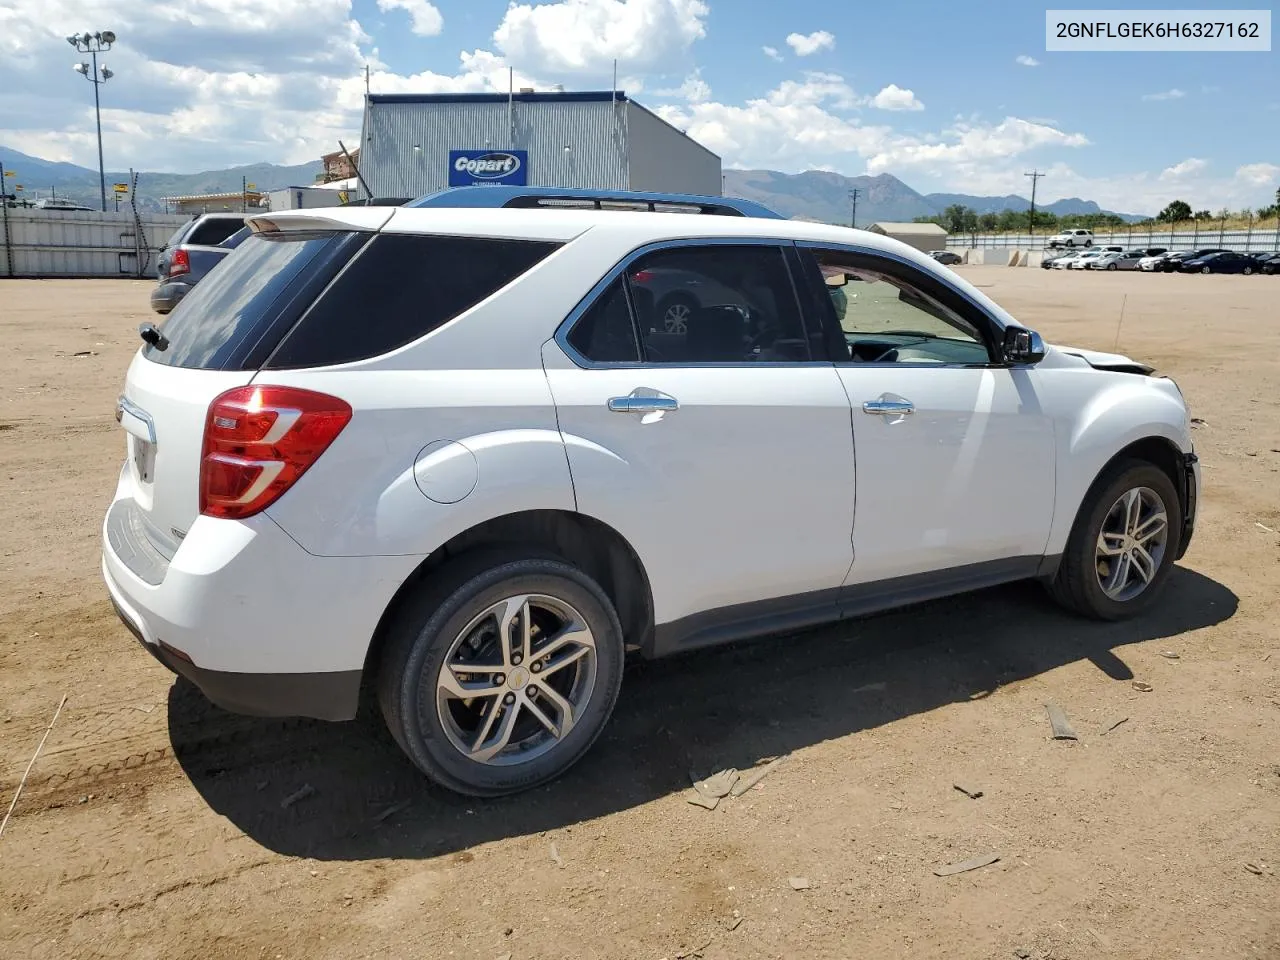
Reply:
x=634, y=404
x=888, y=408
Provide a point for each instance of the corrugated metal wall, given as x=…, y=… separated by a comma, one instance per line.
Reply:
x=662, y=158
x=611, y=146
x=594, y=132
x=64, y=243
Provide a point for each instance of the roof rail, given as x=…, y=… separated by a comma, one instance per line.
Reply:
x=571, y=198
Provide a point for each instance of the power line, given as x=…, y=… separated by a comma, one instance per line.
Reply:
x=1035, y=175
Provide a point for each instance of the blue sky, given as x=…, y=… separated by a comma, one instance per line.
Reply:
x=931, y=92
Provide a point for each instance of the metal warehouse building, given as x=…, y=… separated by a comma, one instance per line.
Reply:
x=414, y=144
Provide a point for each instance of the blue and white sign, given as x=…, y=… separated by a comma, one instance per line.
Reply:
x=470, y=167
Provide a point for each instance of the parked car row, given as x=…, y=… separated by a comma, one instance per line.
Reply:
x=1161, y=260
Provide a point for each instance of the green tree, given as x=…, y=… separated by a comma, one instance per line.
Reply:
x=957, y=219
x=1202, y=215
x=988, y=221
x=1174, y=212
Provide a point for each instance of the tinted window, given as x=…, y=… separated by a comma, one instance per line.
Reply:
x=706, y=304
x=400, y=288
x=227, y=313
x=605, y=332
x=214, y=230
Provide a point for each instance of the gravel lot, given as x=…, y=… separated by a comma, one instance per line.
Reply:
x=152, y=824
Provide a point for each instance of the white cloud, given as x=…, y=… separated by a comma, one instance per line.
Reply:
x=966, y=145
x=1027, y=61
x=772, y=53
x=694, y=89
x=586, y=36
x=894, y=97
x=804, y=45
x=1174, y=94
x=1259, y=174
x=424, y=17
x=1187, y=168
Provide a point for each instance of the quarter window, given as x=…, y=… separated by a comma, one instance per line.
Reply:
x=400, y=288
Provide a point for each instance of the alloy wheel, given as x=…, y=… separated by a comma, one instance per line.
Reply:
x=1131, y=544
x=676, y=319
x=516, y=679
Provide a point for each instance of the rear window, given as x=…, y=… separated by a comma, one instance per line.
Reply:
x=400, y=288
x=258, y=288
x=214, y=230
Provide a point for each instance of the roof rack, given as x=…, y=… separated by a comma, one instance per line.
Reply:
x=569, y=198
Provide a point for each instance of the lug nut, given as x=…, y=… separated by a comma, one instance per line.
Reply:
x=499, y=679
x=537, y=666
x=516, y=660
x=509, y=699
x=533, y=691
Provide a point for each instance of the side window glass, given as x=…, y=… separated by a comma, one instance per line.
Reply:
x=605, y=333
x=709, y=304
x=887, y=317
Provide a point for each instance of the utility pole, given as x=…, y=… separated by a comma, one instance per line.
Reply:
x=244, y=194
x=853, y=212
x=4, y=206
x=94, y=44
x=1035, y=175
x=366, y=80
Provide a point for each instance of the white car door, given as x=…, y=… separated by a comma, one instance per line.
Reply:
x=719, y=451
x=954, y=455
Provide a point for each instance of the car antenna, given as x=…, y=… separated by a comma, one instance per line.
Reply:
x=359, y=175
x=1116, y=346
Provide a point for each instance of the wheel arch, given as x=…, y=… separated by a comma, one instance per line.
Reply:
x=1157, y=449
x=589, y=544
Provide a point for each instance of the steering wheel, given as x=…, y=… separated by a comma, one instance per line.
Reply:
x=886, y=358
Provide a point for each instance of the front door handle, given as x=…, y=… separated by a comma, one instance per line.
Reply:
x=888, y=408
x=634, y=404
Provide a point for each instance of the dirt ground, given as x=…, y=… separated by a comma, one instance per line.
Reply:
x=152, y=825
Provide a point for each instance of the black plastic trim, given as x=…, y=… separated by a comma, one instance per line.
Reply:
x=323, y=696
x=781, y=614
x=1189, y=504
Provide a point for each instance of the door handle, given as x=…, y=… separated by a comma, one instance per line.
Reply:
x=634, y=404
x=888, y=408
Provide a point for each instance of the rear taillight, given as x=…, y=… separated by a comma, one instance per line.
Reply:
x=258, y=441
x=180, y=263
x=641, y=276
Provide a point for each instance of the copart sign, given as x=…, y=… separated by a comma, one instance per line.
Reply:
x=468, y=167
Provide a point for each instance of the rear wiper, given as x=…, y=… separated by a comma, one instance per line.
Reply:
x=151, y=334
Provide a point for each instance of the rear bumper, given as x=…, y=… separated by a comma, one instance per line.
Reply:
x=166, y=296
x=324, y=696
x=257, y=623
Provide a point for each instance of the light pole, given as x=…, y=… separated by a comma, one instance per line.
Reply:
x=93, y=44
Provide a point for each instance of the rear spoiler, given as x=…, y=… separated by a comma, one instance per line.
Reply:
x=370, y=219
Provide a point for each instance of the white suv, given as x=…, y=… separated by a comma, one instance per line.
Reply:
x=1072, y=238
x=462, y=454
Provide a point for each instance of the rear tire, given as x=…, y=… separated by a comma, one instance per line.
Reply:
x=1112, y=266
x=1205, y=270
x=545, y=709
x=1091, y=580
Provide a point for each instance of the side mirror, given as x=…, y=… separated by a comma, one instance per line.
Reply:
x=1022, y=346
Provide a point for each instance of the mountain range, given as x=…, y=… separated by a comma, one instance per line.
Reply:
x=815, y=194
x=40, y=178
x=822, y=195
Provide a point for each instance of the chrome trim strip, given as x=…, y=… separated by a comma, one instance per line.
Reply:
x=125, y=405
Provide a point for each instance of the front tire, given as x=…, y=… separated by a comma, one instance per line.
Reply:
x=1112, y=266
x=1205, y=270
x=501, y=676
x=1123, y=544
